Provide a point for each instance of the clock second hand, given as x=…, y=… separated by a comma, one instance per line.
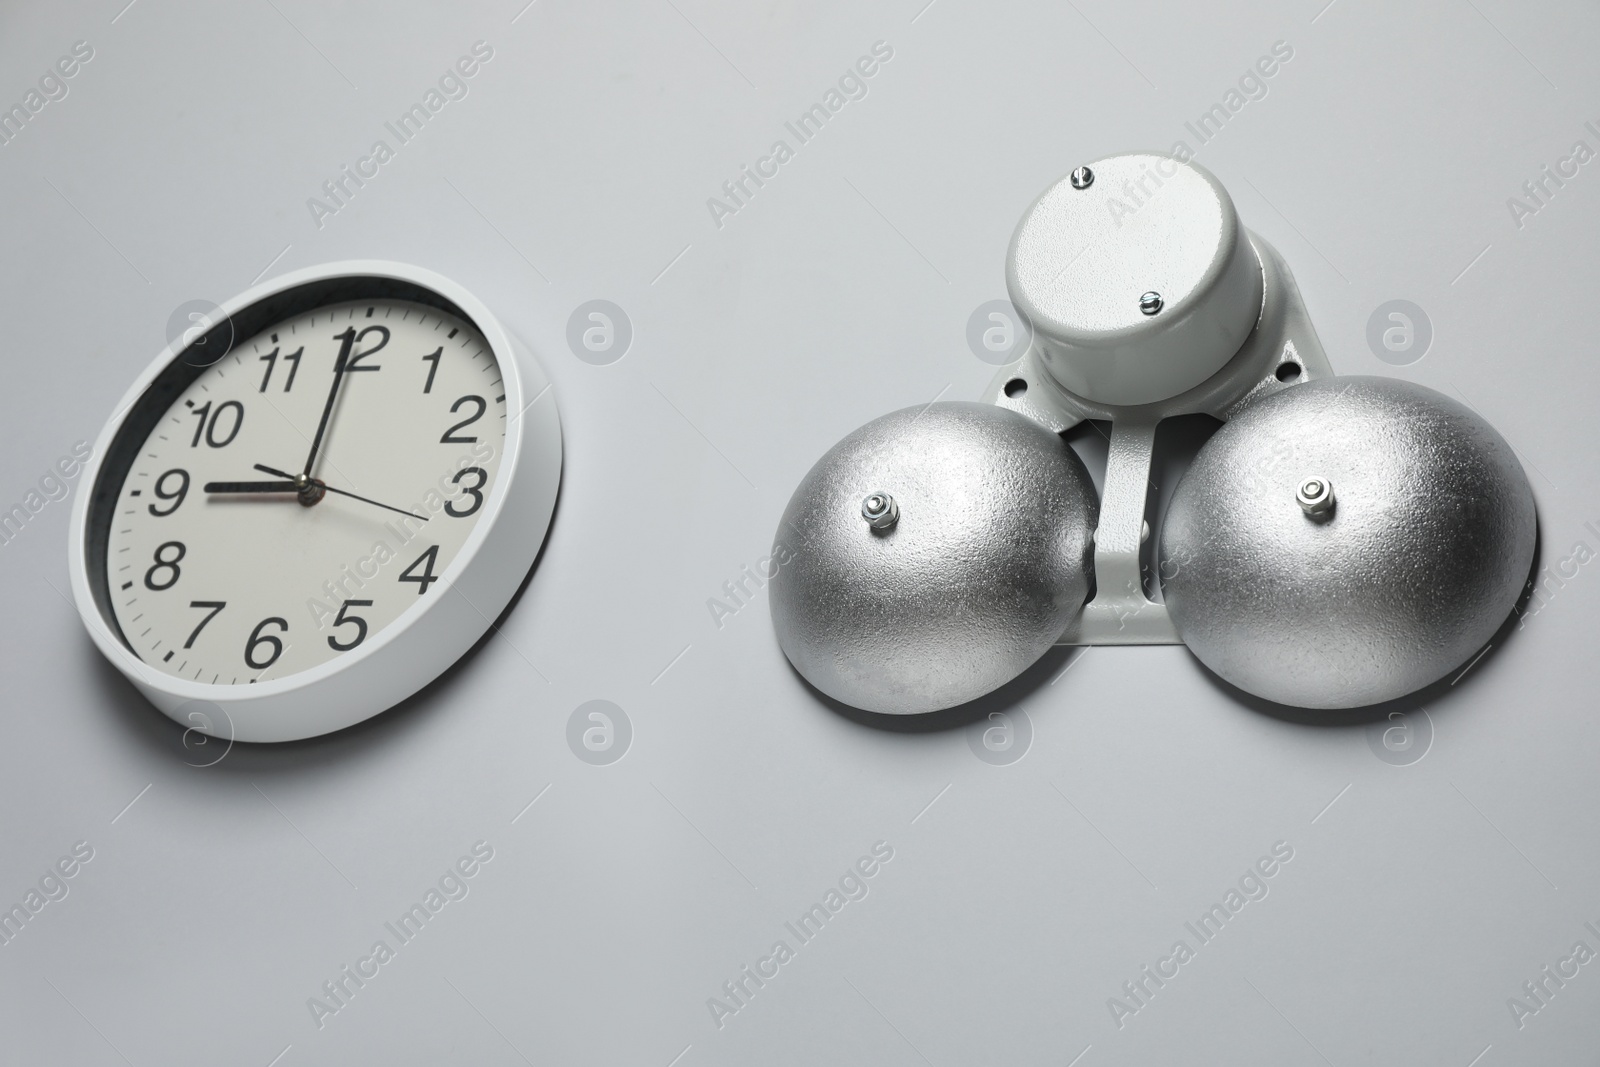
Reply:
x=306, y=486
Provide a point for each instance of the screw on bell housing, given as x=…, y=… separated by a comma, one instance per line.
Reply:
x=880, y=510
x=1082, y=178
x=1150, y=303
x=1315, y=496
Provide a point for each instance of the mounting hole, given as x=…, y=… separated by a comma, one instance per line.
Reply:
x=1288, y=372
x=1016, y=387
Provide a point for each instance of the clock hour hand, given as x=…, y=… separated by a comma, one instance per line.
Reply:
x=311, y=490
x=252, y=487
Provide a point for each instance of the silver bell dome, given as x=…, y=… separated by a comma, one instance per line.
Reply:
x=1346, y=542
x=939, y=552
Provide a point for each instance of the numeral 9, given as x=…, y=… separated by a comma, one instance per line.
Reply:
x=176, y=496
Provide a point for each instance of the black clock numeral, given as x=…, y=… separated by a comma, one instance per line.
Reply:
x=176, y=496
x=432, y=357
x=163, y=564
x=426, y=578
x=257, y=638
x=475, y=491
x=202, y=413
x=271, y=360
x=449, y=437
x=360, y=624
x=209, y=422
x=215, y=606
x=356, y=357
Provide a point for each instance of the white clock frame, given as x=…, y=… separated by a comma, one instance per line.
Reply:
x=428, y=636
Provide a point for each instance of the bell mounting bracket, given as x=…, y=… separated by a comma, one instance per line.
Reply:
x=1280, y=352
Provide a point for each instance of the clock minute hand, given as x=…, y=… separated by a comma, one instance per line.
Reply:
x=308, y=486
x=349, y=338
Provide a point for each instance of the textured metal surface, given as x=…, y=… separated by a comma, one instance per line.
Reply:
x=1416, y=567
x=1140, y=285
x=983, y=571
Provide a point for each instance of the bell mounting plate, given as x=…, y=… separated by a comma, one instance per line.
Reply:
x=1281, y=352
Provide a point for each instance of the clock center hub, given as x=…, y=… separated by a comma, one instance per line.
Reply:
x=309, y=490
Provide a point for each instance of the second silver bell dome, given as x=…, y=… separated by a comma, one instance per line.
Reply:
x=938, y=552
x=1346, y=542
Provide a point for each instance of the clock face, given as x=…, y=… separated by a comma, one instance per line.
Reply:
x=303, y=491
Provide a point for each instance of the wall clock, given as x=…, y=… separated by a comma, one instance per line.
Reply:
x=303, y=514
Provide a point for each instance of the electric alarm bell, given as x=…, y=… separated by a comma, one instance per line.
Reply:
x=1337, y=543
